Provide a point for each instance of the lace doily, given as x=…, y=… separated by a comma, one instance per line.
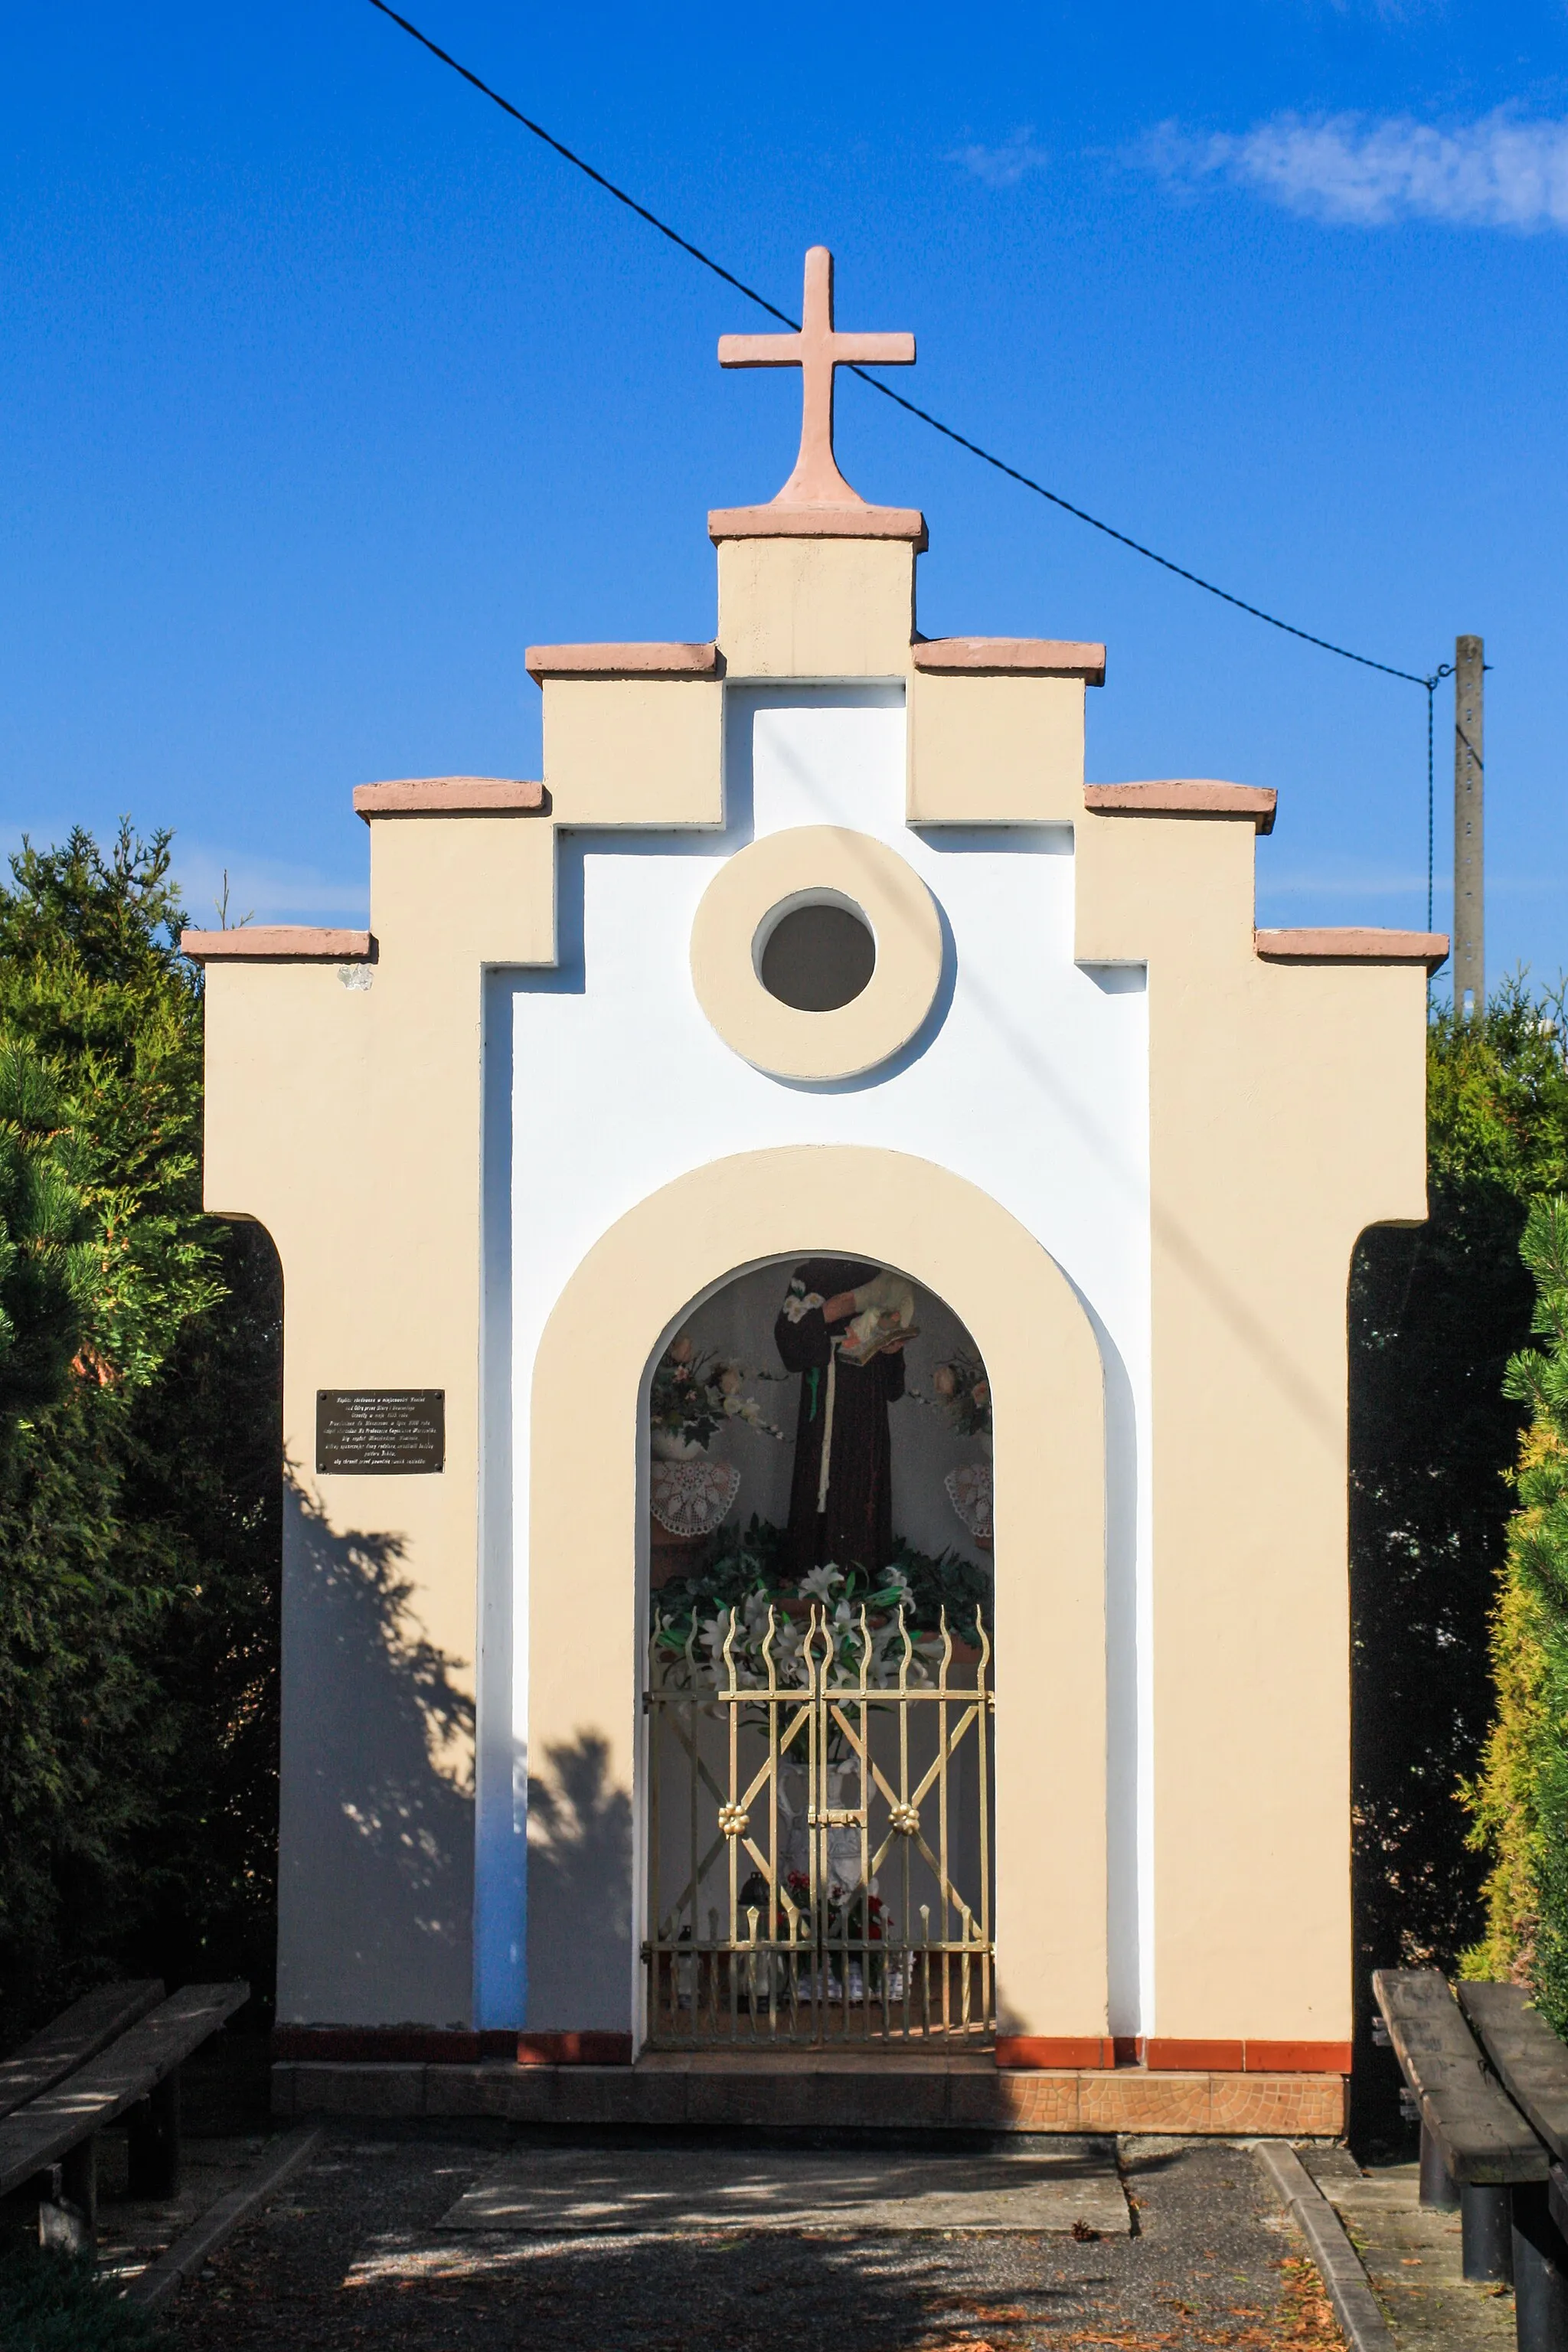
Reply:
x=969, y=1492
x=689, y=1498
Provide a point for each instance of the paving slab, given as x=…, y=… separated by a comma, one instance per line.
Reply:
x=1413, y=2258
x=355, y=2254
x=563, y=2192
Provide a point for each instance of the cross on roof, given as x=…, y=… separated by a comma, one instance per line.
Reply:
x=817, y=351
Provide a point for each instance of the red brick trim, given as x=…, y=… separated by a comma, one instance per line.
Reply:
x=574, y=2049
x=1163, y=2054
x=1035, y=2050
x=1352, y=946
x=621, y=661
x=450, y=796
x=1025, y=656
x=1167, y=2054
x=278, y=943
x=1298, y=2057
x=1200, y=796
x=416, y=2045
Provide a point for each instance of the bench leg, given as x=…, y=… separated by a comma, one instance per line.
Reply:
x=1487, y=2232
x=68, y=2216
x=152, y=2134
x=1540, y=2273
x=1439, y=2187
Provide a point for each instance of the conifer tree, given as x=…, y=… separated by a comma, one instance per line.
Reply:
x=1519, y=1801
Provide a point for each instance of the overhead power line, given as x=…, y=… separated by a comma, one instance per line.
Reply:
x=948, y=432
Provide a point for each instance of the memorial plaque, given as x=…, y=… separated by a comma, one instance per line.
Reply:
x=381, y=1433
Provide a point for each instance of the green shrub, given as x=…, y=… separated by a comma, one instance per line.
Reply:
x=139, y=1486
x=1435, y=1312
x=57, y=2303
x=1519, y=1801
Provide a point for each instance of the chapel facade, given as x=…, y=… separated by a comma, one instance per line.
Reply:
x=815, y=1248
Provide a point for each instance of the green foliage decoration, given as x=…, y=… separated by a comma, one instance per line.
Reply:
x=740, y=1562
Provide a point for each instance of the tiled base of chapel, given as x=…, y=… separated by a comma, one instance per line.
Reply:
x=816, y=2090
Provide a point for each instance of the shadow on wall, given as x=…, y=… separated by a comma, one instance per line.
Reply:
x=375, y=1894
x=580, y=1942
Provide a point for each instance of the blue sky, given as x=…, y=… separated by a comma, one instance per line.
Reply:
x=324, y=390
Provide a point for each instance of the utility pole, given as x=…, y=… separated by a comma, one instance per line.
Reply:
x=1469, y=861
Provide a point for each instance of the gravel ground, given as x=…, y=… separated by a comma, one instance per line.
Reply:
x=353, y=2254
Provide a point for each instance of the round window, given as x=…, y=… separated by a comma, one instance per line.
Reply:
x=818, y=957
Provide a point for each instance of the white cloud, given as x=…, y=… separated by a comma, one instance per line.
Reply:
x=1003, y=166
x=1501, y=172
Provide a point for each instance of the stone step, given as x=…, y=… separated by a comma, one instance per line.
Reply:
x=804, y=2090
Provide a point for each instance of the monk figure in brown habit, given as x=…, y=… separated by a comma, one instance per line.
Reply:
x=843, y=1328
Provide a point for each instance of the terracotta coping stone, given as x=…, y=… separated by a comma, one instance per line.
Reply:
x=1185, y=796
x=1352, y=946
x=450, y=796
x=819, y=523
x=1025, y=656
x=278, y=943
x=621, y=661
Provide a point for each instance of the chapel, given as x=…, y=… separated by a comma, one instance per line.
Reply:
x=815, y=1248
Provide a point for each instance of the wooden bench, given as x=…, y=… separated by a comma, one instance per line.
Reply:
x=135, y=2074
x=88, y=2026
x=1479, y=2149
x=1532, y=2063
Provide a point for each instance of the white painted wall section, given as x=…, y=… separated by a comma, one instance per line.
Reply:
x=1030, y=1079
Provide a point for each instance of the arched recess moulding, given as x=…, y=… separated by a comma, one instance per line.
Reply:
x=586, y=1514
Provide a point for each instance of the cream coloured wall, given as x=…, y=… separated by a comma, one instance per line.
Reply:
x=1012, y=753
x=344, y=1113
x=821, y=608
x=1286, y=1113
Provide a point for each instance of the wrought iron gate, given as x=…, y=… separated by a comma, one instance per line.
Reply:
x=819, y=1836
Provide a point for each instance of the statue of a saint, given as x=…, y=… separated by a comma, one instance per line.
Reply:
x=844, y=1328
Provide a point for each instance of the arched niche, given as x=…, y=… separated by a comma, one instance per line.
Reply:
x=588, y=1542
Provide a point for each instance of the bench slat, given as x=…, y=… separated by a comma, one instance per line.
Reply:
x=78, y=2033
x=48, y=2126
x=1527, y=2055
x=1482, y=2134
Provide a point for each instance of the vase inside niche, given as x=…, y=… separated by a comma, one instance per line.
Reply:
x=669, y=1446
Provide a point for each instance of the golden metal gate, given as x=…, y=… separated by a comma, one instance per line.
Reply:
x=819, y=1835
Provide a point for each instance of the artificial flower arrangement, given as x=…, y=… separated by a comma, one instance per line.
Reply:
x=847, y=1917
x=960, y=1390
x=741, y=1583
x=693, y=1396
